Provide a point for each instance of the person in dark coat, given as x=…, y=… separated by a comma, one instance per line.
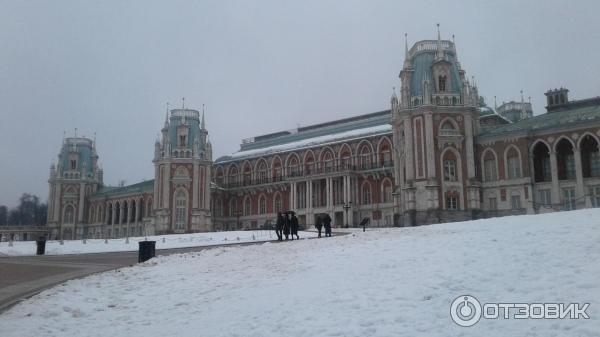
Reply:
x=279, y=226
x=327, y=225
x=319, y=224
x=286, y=226
x=294, y=226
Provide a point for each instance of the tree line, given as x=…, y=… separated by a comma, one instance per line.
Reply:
x=29, y=212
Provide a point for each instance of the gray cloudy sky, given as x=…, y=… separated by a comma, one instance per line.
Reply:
x=259, y=66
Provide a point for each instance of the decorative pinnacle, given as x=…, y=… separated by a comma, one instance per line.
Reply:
x=183, y=103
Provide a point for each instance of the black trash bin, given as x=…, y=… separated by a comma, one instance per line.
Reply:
x=41, y=245
x=147, y=250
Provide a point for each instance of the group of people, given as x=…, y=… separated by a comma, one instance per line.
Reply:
x=287, y=223
x=324, y=221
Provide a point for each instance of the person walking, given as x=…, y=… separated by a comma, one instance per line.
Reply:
x=279, y=226
x=319, y=224
x=327, y=225
x=286, y=226
x=294, y=226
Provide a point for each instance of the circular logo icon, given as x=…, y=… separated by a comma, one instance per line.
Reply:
x=465, y=310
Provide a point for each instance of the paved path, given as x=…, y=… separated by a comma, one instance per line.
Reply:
x=24, y=276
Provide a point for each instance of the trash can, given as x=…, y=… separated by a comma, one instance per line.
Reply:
x=147, y=250
x=41, y=245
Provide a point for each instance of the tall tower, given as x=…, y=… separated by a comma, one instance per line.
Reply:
x=434, y=124
x=182, y=166
x=75, y=177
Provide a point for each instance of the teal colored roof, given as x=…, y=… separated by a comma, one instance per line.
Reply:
x=569, y=117
x=113, y=191
x=83, y=147
x=422, y=70
x=176, y=121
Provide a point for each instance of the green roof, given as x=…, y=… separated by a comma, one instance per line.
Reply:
x=111, y=191
x=569, y=117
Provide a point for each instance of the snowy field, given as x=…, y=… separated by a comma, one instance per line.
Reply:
x=389, y=282
x=21, y=248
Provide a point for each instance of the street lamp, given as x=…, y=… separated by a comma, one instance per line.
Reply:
x=346, y=207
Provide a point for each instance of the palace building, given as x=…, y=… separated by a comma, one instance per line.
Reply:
x=438, y=154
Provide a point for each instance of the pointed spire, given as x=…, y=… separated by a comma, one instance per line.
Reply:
x=94, y=143
x=406, y=55
x=183, y=103
x=495, y=104
x=522, y=100
x=75, y=132
x=440, y=53
x=203, y=125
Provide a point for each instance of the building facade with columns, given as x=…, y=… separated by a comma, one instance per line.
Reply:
x=438, y=154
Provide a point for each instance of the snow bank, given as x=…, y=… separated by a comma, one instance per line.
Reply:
x=21, y=248
x=390, y=282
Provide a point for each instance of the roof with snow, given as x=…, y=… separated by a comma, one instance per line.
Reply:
x=576, y=115
x=373, y=124
x=112, y=191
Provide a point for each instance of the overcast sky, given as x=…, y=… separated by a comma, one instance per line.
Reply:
x=259, y=66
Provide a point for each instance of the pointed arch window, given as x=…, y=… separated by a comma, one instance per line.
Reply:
x=262, y=205
x=450, y=170
x=366, y=194
x=278, y=204
x=69, y=215
x=247, y=206
x=180, y=210
x=442, y=83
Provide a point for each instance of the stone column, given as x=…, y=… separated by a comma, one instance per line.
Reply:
x=429, y=145
x=156, y=197
x=195, y=186
x=579, y=189
x=328, y=193
x=57, y=202
x=112, y=221
x=128, y=217
x=554, y=173
x=166, y=186
x=408, y=149
x=469, y=146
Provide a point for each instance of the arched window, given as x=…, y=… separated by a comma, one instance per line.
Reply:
x=277, y=203
x=277, y=172
x=232, y=207
x=92, y=214
x=450, y=169
x=218, y=207
x=345, y=158
x=247, y=179
x=366, y=193
x=180, y=210
x=293, y=167
x=233, y=176
x=565, y=160
x=365, y=157
x=513, y=163
x=262, y=205
x=247, y=206
x=590, y=157
x=489, y=166
x=442, y=83
x=386, y=188
x=262, y=172
x=385, y=154
x=541, y=163
x=142, y=210
x=69, y=216
x=327, y=161
x=309, y=164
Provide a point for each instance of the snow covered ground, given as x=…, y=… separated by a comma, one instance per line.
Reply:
x=21, y=248
x=388, y=282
